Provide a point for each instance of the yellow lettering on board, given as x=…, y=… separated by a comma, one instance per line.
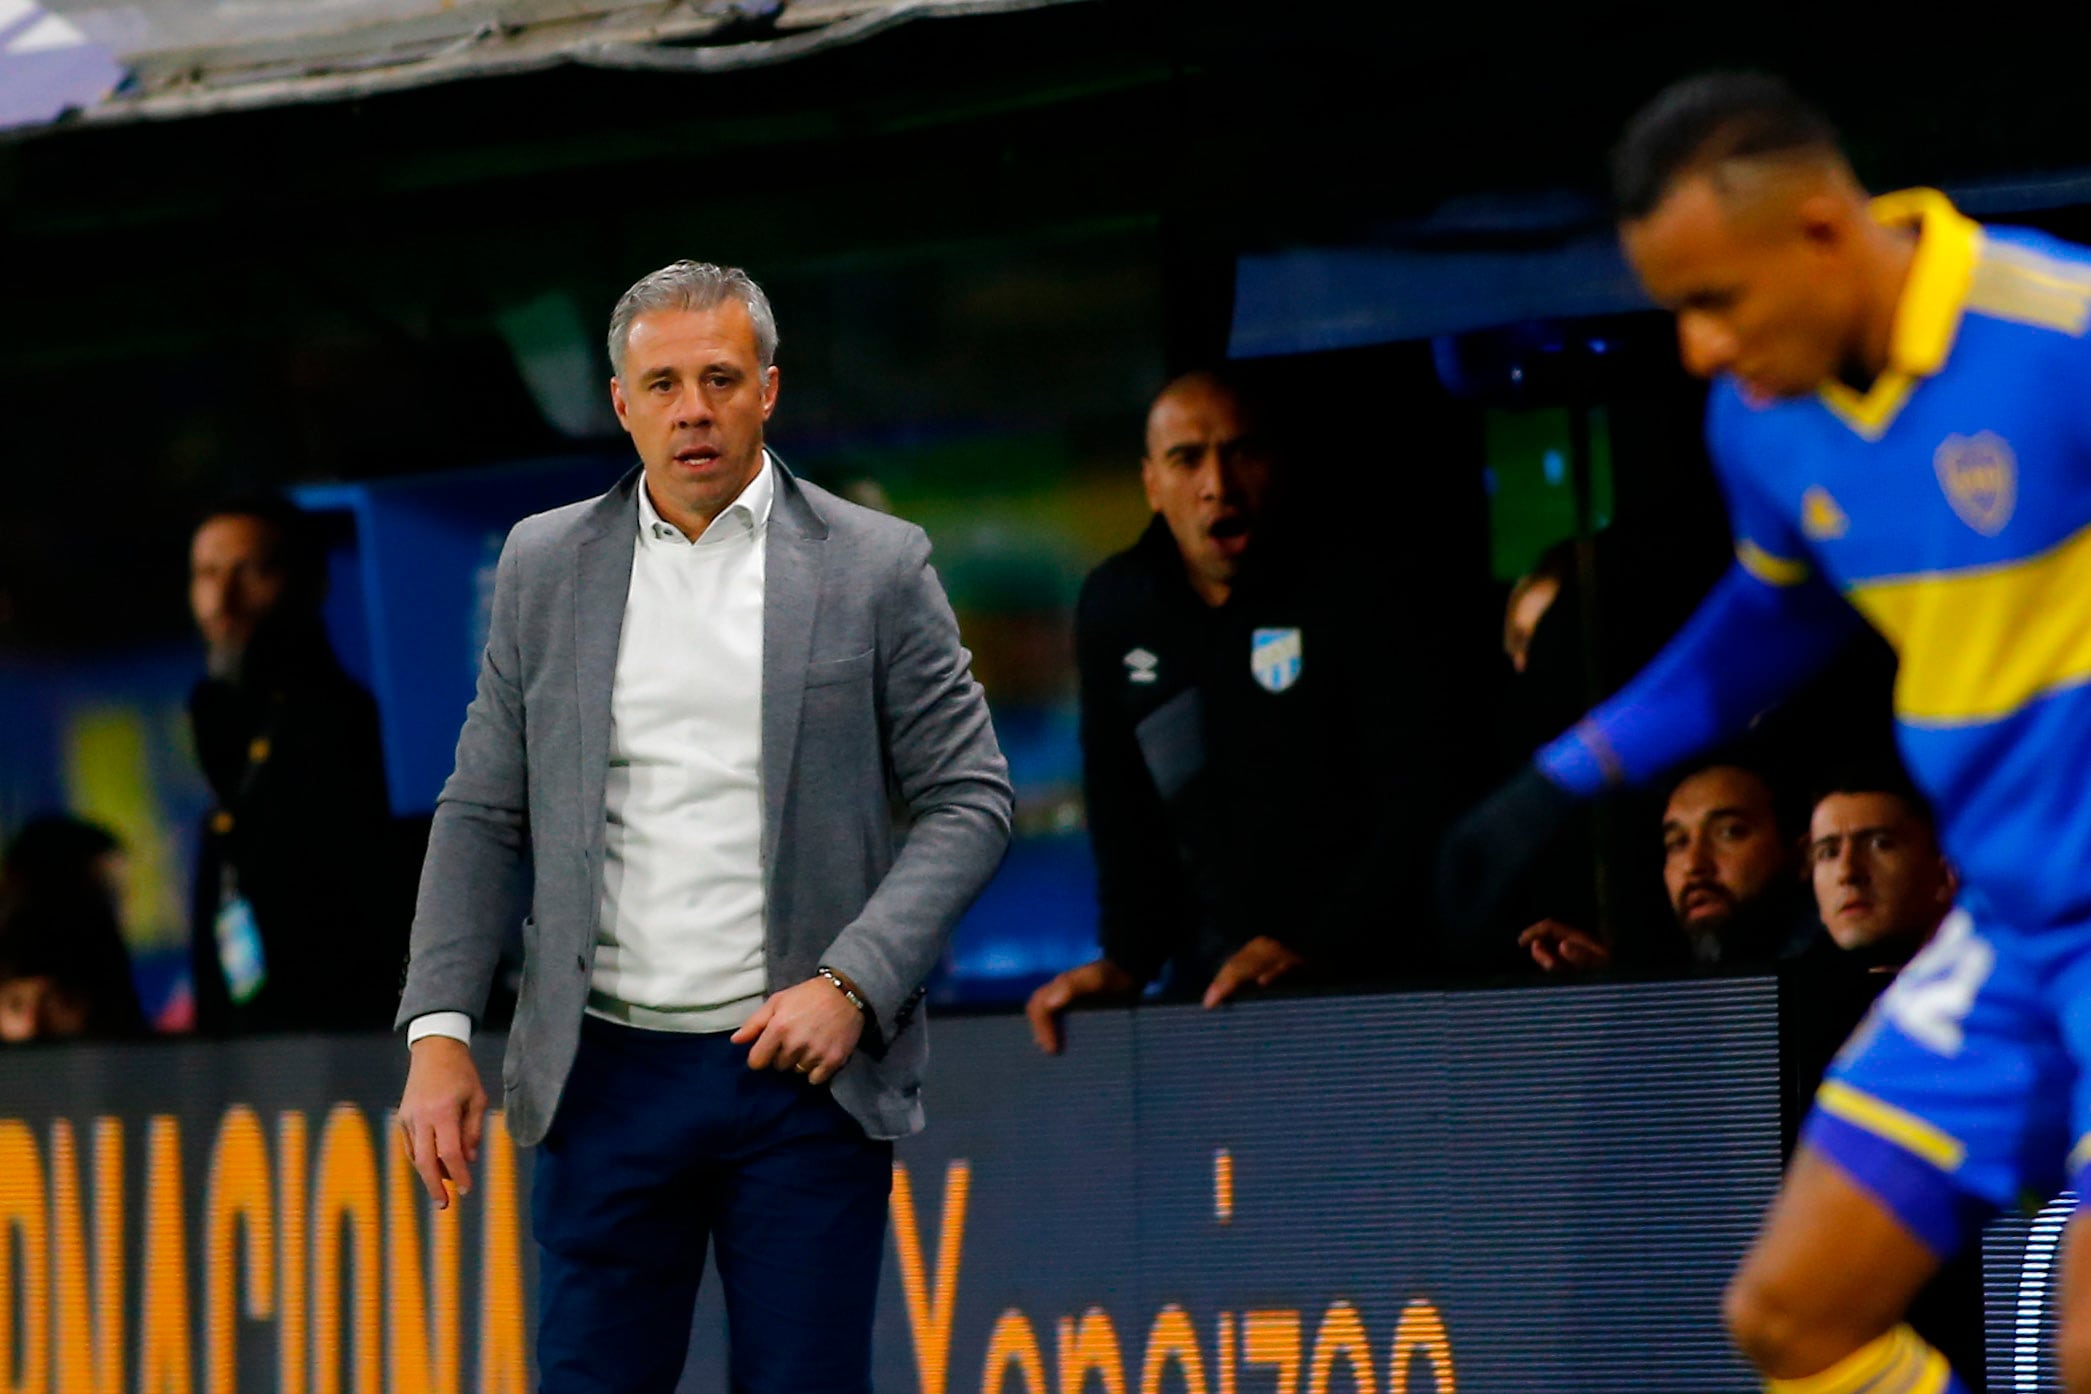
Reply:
x=1090, y=1344
x=345, y=1197
x=1172, y=1337
x=1013, y=1342
x=239, y=1194
x=163, y=1327
x=1223, y=1355
x=421, y=1322
x=1273, y=1338
x=502, y=1368
x=25, y=1318
x=1421, y=1329
x=89, y=1349
x=930, y=1309
x=291, y=1152
x=1341, y=1334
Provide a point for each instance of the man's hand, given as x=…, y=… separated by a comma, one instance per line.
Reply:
x=442, y=1113
x=1101, y=978
x=1557, y=947
x=810, y=1028
x=1262, y=961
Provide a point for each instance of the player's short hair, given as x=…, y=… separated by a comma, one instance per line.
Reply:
x=1708, y=120
x=693, y=285
x=1878, y=777
x=1746, y=756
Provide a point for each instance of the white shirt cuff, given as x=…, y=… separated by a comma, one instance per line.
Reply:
x=456, y=1025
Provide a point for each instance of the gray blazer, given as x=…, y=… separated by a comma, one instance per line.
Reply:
x=867, y=694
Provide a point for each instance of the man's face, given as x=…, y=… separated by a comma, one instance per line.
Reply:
x=693, y=397
x=235, y=582
x=38, y=1009
x=1207, y=475
x=1877, y=869
x=1721, y=847
x=1763, y=285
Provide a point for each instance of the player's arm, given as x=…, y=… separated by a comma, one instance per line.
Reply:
x=1767, y=626
x=1751, y=643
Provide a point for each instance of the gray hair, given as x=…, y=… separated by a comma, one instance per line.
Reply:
x=693, y=285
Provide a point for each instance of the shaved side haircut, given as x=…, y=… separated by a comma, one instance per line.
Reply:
x=1702, y=123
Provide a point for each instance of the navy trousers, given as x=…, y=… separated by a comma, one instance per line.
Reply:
x=665, y=1142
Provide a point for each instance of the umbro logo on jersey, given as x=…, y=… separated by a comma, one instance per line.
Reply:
x=1140, y=666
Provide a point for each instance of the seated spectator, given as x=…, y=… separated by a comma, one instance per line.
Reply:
x=1730, y=873
x=64, y=970
x=1258, y=806
x=1882, y=883
x=300, y=919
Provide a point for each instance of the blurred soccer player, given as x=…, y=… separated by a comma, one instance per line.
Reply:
x=1900, y=422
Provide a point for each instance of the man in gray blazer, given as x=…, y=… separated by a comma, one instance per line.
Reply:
x=700, y=697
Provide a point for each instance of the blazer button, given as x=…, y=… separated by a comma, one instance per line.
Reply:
x=581, y=963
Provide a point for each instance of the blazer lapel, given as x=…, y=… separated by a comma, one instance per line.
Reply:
x=790, y=601
x=602, y=580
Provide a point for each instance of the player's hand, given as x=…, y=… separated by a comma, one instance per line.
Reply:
x=1262, y=961
x=442, y=1113
x=810, y=1029
x=1493, y=845
x=1101, y=978
x=1557, y=947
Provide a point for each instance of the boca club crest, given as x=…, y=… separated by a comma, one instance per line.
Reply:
x=1274, y=657
x=1980, y=477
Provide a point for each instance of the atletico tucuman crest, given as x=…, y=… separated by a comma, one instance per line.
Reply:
x=1274, y=657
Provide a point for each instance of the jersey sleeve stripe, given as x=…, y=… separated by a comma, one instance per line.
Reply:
x=1770, y=569
x=1884, y=1120
x=2004, y=290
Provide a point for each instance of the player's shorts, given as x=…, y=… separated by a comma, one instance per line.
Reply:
x=1964, y=1092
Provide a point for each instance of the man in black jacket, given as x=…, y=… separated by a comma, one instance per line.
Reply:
x=300, y=921
x=1252, y=814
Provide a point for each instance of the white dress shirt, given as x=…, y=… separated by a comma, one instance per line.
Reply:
x=680, y=930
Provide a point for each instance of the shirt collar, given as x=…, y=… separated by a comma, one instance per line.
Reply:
x=1928, y=314
x=748, y=513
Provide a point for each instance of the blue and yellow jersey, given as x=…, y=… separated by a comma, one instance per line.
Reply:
x=1950, y=505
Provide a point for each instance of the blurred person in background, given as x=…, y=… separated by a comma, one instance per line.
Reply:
x=1730, y=876
x=301, y=916
x=1531, y=597
x=64, y=969
x=1252, y=818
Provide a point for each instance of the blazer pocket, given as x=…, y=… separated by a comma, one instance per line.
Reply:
x=840, y=670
